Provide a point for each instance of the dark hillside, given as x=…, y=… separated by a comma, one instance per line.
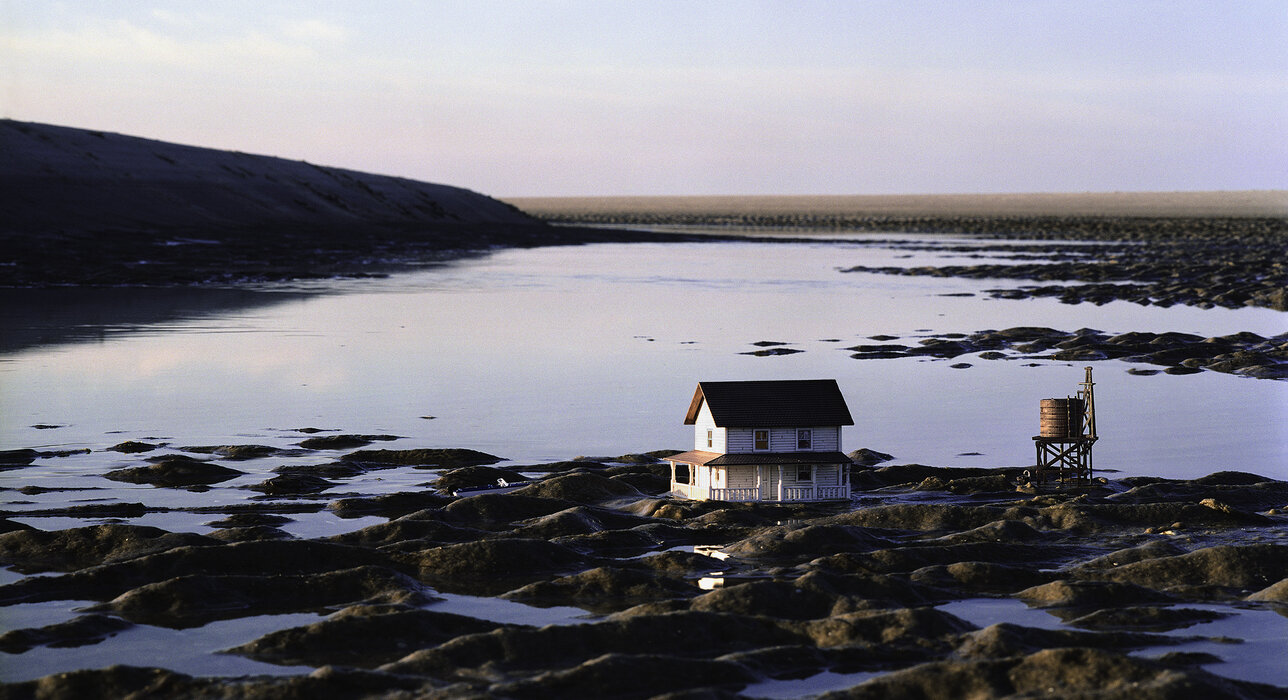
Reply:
x=87, y=207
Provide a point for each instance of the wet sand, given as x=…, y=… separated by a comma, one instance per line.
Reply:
x=1122, y=567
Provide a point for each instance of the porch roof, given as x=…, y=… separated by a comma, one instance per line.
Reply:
x=715, y=459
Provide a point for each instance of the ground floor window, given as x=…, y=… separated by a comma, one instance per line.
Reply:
x=805, y=472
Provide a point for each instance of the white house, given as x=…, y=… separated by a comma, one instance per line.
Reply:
x=765, y=441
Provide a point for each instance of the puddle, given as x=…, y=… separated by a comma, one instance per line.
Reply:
x=1260, y=656
x=192, y=651
x=500, y=610
x=812, y=686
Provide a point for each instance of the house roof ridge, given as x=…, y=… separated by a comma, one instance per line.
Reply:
x=765, y=403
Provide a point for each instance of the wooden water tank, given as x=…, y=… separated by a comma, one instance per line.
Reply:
x=1061, y=418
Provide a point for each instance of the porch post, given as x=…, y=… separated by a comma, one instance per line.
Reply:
x=780, y=483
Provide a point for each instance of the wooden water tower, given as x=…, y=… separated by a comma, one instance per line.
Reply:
x=1067, y=431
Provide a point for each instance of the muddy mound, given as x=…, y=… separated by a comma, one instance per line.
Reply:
x=175, y=470
x=877, y=590
x=1067, y=672
x=632, y=675
x=604, y=589
x=260, y=558
x=1005, y=639
x=191, y=601
x=1275, y=593
x=799, y=544
x=921, y=517
x=581, y=487
x=898, y=560
x=475, y=476
x=234, y=452
x=1245, y=354
x=83, y=630
x=492, y=566
x=923, y=627
x=30, y=551
x=1240, y=495
x=390, y=505
x=1149, y=550
x=133, y=447
x=1146, y=617
x=342, y=442
x=979, y=577
x=1240, y=569
x=493, y=510
x=1089, y=595
x=135, y=682
x=362, y=636
x=682, y=634
x=410, y=532
x=865, y=457
x=579, y=520
x=782, y=599
x=250, y=520
x=293, y=484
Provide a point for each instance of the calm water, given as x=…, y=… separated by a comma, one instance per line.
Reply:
x=544, y=354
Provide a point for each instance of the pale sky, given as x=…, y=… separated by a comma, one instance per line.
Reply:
x=600, y=97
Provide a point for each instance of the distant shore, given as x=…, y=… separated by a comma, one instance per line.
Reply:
x=823, y=208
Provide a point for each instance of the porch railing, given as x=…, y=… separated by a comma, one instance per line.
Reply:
x=742, y=494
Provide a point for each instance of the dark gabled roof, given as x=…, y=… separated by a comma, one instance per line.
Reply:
x=767, y=404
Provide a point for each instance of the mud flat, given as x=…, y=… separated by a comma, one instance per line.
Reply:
x=1127, y=572
x=1246, y=354
x=1197, y=248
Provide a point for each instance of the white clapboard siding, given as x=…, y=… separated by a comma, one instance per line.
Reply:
x=702, y=424
x=742, y=477
x=742, y=440
x=827, y=439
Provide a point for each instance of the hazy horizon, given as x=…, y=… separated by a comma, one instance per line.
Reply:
x=671, y=99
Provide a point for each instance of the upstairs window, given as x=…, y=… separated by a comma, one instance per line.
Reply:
x=804, y=439
x=710, y=440
x=760, y=438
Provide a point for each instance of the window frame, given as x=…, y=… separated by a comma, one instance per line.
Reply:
x=710, y=438
x=807, y=443
x=805, y=472
x=755, y=440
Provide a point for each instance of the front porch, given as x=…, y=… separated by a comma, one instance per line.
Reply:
x=790, y=478
x=752, y=494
